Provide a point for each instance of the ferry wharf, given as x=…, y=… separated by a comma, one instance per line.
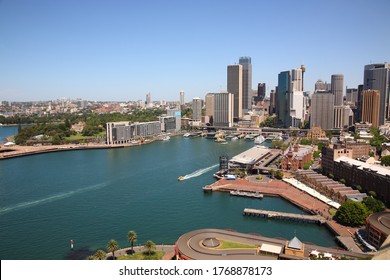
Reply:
x=310, y=204
x=284, y=216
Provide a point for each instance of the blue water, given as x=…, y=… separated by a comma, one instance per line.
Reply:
x=97, y=195
x=7, y=131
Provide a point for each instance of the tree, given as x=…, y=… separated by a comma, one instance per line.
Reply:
x=100, y=255
x=352, y=213
x=373, y=205
x=279, y=174
x=132, y=237
x=112, y=246
x=150, y=246
x=385, y=160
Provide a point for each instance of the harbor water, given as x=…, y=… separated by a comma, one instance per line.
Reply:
x=92, y=196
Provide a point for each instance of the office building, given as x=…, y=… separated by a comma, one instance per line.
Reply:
x=234, y=86
x=283, y=97
x=261, y=91
x=337, y=89
x=223, y=109
x=321, y=85
x=148, y=101
x=176, y=113
x=196, y=109
x=322, y=114
x=377, y=77
x=209, y=100
x=343, y=117
x=371, y=107
x=246, y=83
x=351, y=95
x=273, y=102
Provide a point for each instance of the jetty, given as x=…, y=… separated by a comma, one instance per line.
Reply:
x=284, y=216
x=247, y=194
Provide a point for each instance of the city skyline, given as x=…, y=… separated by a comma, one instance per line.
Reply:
x=121, y=51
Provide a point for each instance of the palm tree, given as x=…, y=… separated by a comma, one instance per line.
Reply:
x=112, y=246
x=100, y=255
x=150, y=246
x=132, y=237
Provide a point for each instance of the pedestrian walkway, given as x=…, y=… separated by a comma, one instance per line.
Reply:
x=168, y=249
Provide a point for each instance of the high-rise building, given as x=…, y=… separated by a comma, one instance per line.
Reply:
x=377, y=77
x=343, y=116
x=337, y=89
x=234, y=86
x=210, y=100
x=261, y=91
x=296, y=79
x=246, y=83
x=177, y=114
x=359, y=103
x=182, y=98
x=371, y=107
x=283, y=97
x=273, y=103
x=223, y=109
x=197, y=109
x=351, y=95
x=148, y=101
x=322, y=110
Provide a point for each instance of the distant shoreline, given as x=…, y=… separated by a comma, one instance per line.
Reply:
x=22, y=151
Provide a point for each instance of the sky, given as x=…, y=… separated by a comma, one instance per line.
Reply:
x=121, y=50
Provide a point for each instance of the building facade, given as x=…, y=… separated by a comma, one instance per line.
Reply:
x=196, y=109
x=234, y=86
x=337, y=89
x=296, y=157
x=223, y=109
x=125, y=132
x=371, y=107
x=322, y=114
x=182, y=101
x=283, y=97
x=210, y=101
x=246, y=63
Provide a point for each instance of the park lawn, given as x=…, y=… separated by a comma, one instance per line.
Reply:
x=143, y=256
x=226, y=244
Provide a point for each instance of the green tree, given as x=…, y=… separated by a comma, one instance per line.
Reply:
x=352, y=213
x=150, y=247
x=279, y=174
x=100, y=255
x=385, y=160
x=373, y=205
x=132, y=237
x=112, y=246
x=306, y=141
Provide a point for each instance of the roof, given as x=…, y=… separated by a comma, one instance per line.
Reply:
x=295, y=243
x=271, y=248
x=251, y=156
x=361, y=165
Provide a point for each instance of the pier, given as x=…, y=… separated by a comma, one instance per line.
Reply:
x=284, y=216
x=246, y=194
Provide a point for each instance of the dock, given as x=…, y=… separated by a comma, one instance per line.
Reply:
x=247, y=194
x=284, y=216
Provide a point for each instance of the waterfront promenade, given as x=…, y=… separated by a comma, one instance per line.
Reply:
x=293, y=195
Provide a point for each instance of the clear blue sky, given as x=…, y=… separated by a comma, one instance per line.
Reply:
x=121, y=50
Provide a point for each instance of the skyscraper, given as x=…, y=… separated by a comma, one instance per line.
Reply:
x=182, y=98
x=197, y=109
x=245, y=61
x=223, y=109
x=371, y=107
x=148, y=101
x=337, y=89
x=322, y=110
x=377, y=77
x=261, y=91
x=210, y=100
x=234, y=86
x=283, y=98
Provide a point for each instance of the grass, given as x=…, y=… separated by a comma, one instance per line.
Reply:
x=332, y=211
x=143, y=256
x=226, y=244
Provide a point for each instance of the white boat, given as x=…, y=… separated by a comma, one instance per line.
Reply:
x=259, y=139
x=186, y=135
x=234, y=138
x=166, y=138
x=134, y=142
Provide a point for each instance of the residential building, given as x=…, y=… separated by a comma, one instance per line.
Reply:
x=176, y=113
x=196, y=109
x=124, y=132
x=234, y=86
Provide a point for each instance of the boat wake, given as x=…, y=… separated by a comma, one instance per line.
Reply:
x=199, y=172
x=48, y=199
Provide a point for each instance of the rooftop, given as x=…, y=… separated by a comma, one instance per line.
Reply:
x=361, y=165
x=251, y=156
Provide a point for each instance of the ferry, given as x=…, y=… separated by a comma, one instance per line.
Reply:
x=259, y=139
x=181, y=178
